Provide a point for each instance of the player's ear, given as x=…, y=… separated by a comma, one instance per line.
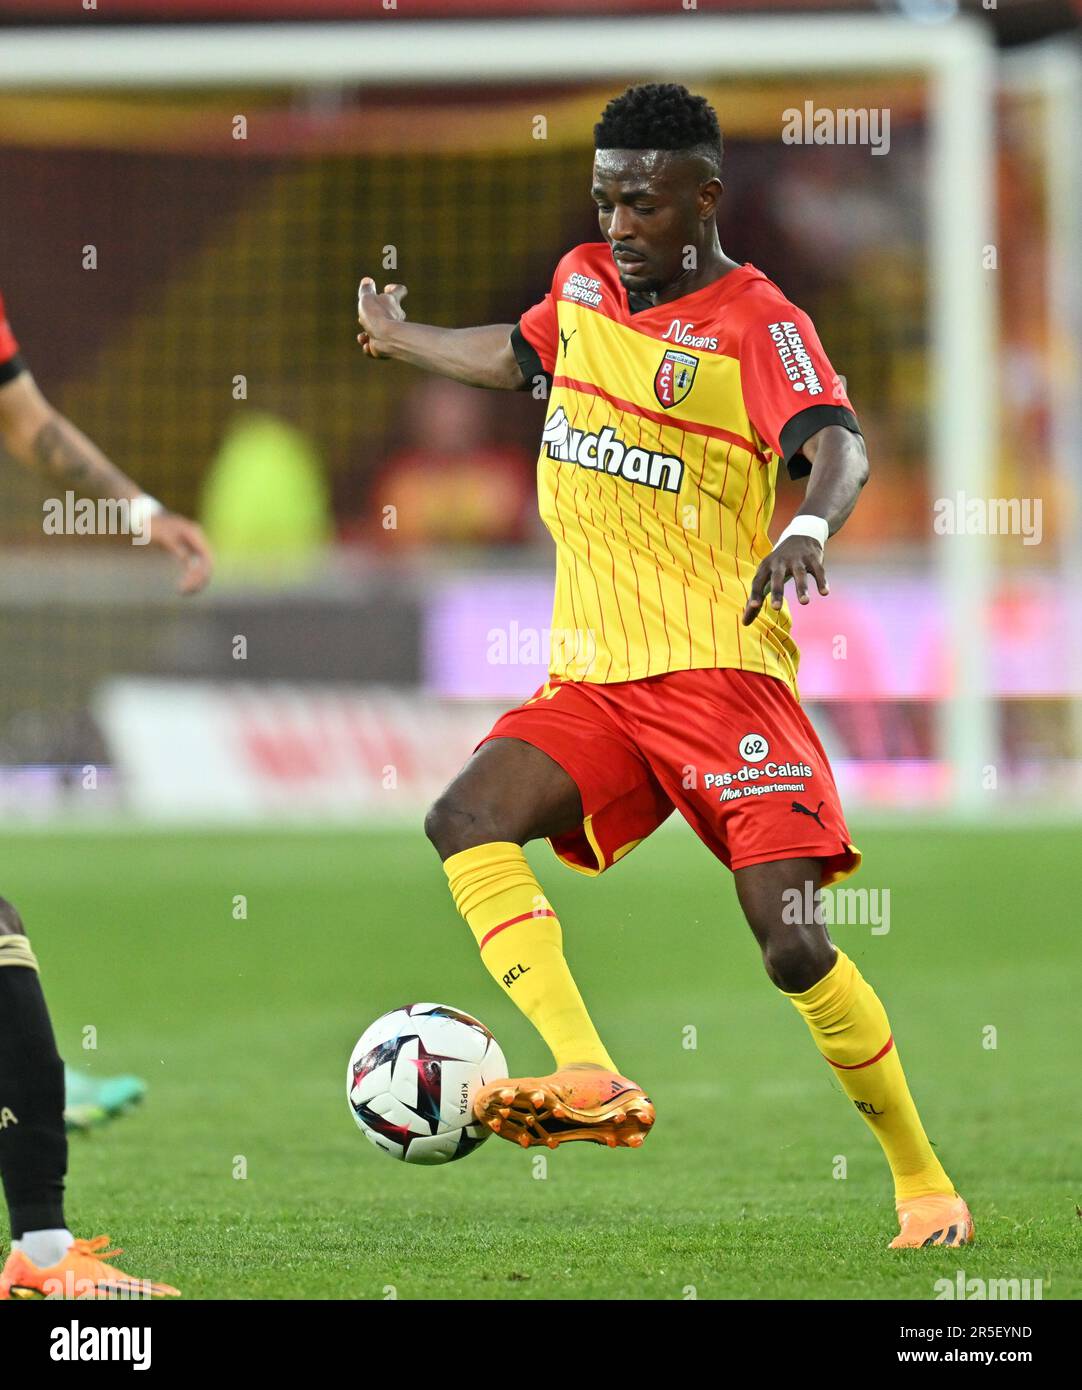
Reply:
x=709, y=197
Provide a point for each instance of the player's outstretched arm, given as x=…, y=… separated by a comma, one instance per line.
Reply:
x=839, y=469
x=477, y=356
x=37, y=435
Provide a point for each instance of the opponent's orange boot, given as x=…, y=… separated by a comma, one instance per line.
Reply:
x=933, y=1220
x=577, y=1102
x=82, y=1273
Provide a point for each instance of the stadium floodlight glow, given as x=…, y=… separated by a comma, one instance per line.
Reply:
x=955, y=59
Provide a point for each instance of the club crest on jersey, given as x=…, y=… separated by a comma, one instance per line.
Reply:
x=674, y=378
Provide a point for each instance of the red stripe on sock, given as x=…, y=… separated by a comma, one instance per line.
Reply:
x=522, y=917
x=856, y=1066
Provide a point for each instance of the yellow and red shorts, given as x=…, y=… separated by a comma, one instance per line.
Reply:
x=731, y=750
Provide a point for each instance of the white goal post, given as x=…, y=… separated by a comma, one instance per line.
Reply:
x=957, y=60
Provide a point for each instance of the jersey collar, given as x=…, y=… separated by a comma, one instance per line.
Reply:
x=720, y=291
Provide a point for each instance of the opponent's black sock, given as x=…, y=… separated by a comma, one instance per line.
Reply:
x=33, y=1145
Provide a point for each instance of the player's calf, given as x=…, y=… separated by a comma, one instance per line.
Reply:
x=33, y=1147
x=851, y=1030
x=508, y=793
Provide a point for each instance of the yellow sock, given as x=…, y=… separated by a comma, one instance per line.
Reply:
x=851, y=1030
x=519, y=935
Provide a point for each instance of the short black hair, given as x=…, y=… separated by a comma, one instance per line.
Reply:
x=660, y=116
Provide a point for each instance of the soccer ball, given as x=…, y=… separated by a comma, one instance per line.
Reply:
x=412, y=1080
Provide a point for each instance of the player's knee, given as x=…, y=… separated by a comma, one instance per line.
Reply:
x=11, y=924
x=436, y=824
x=453, y=824
x=795, y=962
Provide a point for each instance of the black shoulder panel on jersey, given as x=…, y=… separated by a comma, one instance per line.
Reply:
x=529, y=362
x=12, y=368
x=801, y=427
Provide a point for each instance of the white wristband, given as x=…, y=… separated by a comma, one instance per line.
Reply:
x=806, y=525
x=141, y=509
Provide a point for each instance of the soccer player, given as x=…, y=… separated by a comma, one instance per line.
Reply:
x=679, y=382
x=45, y=1258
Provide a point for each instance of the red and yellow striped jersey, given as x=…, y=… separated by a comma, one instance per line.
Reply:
x=659, y=457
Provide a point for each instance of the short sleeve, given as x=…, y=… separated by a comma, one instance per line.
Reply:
x=533, y=340
x=790, y=389
x=11, y=364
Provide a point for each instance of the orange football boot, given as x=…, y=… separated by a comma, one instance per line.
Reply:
x=934, y=1220
x=82, y=1273
x=577, y=1102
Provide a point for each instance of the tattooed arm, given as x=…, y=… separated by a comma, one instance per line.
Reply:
x=37, y=435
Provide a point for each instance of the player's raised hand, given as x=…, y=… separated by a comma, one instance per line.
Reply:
x=795, y=558
x=376, y=311
x=185, y=540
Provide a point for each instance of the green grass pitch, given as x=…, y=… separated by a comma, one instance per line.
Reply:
x=243, y=1029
